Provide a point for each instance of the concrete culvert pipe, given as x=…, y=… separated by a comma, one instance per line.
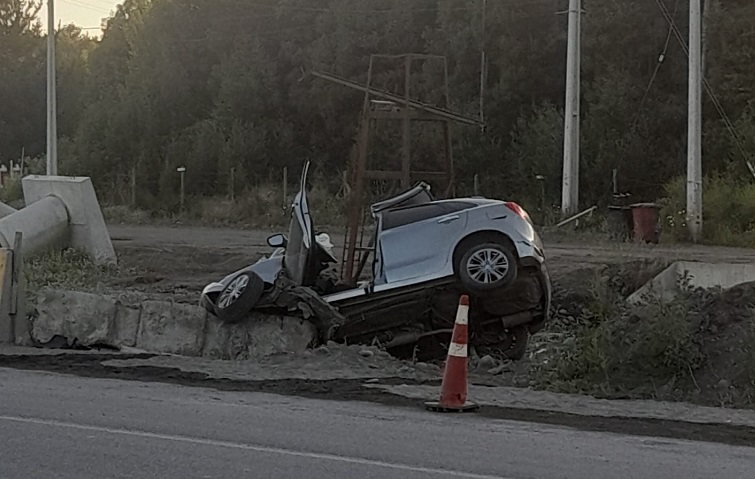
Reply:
x=44, y=225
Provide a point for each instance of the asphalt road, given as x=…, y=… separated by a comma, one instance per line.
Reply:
x=69, y=427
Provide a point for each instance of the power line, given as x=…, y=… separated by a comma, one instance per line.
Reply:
x=385, y=10
x=716, y=103
x=92, y=8
x=658, y=64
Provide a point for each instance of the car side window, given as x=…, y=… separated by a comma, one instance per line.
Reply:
x=413, y=214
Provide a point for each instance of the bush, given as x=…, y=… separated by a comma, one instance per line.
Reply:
x=617, y=350
x=12, y=193
x=728, y=212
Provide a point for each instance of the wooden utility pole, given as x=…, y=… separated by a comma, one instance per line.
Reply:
x=406, y=123
x=133, y=186
x=570, y=180
x=232, y=184
x=483, y=61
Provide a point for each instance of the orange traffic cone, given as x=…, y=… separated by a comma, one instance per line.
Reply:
x=453, y=389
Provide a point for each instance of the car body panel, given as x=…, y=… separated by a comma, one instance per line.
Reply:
x=300, y=236
x=418, y=249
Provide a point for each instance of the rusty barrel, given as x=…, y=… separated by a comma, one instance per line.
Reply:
x=646, y=222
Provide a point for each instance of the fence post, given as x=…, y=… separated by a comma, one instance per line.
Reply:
x=13, y=325
x=285, y=190
x=182, y=171
x=21, y=326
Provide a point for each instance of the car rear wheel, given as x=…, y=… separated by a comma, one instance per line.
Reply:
x=239, y=296
x=512, y=344
x=487, y=267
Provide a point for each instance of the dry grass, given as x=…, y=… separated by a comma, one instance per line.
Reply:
x=260, y=207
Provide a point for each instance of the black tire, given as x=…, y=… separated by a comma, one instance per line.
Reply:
x=239, y=296
x=519, y=337
x=512, y=344
x=499, y=261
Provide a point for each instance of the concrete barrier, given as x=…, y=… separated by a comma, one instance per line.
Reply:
x=89, y=319
x=60, y=211
x=87, y=231
x=6, y=210
x=667, y=284
x=44, y=225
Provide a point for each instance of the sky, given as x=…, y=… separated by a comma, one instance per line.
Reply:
x=84, y=13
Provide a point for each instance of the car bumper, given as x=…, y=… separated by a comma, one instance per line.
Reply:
x=210, y=291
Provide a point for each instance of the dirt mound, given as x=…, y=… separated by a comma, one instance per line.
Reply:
x=731, y=307
x=579, y=288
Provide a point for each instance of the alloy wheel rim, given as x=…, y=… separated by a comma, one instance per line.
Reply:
x=488, y=266
x=232, y=292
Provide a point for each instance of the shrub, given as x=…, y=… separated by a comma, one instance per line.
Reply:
x=728, y=212
x=616, y=349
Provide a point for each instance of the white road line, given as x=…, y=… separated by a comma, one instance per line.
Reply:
x=249, y=447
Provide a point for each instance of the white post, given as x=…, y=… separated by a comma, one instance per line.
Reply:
x=694, y=125
x=52, y=133
x=570, y=183
x=182, y=170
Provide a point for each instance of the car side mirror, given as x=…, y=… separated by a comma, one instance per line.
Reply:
x=277, y=241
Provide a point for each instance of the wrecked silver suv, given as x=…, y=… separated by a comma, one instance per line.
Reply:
x=427, y=252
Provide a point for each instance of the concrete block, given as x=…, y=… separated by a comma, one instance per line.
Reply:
x=216, y=338
x=84, y=317
x=666, y=286
x=171, y=328
x=6, y=210
x=88, y=231
x=125, y=325
x=44, y=225
x=258, y=336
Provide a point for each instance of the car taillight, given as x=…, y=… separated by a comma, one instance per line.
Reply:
x=518, y=210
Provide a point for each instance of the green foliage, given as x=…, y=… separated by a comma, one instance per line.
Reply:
x=221, y=85
x=617, y=349
x=11, y=192
x=728, y=211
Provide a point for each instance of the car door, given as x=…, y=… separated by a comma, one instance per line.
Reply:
x=298, y=259
x=420, y=250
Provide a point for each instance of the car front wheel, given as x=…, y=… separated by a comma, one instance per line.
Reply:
x=239, y=297
x=487, y=267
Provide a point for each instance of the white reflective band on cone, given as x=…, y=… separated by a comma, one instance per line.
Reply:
x=457, y=350
x=462, y=314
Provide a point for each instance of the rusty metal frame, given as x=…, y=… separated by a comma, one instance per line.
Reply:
x=406, y=110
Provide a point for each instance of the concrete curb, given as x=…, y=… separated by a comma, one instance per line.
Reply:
x=135, y=321
x=528, y=399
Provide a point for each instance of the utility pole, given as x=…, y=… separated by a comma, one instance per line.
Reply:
x=52, y=128
x=694, y=124
x=483, y=61
x=570, y=180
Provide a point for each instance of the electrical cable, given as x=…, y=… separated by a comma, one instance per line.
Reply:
x=716, y=103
